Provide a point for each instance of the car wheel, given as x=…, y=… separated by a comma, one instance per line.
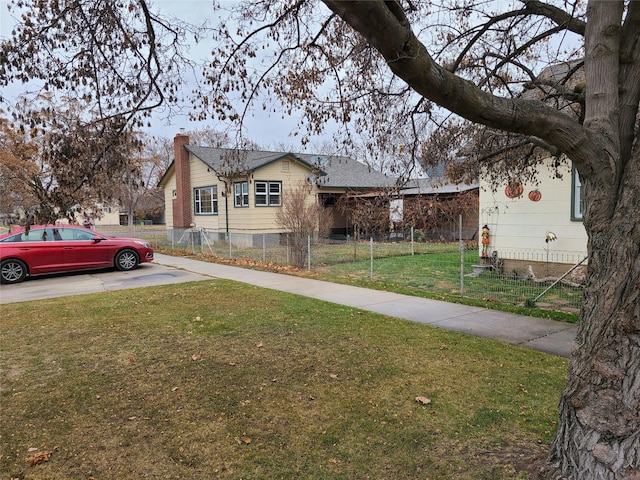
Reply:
x=126, y=260
x=12, y=271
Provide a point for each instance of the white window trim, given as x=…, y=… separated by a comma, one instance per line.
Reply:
x=241, y=194
x=197, y=200
x=576, y=196
x=271, y=198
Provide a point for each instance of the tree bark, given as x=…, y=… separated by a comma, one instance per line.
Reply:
x=599, y=427
x=598, y=434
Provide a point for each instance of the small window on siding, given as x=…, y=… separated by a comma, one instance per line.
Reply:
x=268, y=194
x=285, y=165
x=275, y=193
x=577, y=197
x=241, y=194
x=205, y=200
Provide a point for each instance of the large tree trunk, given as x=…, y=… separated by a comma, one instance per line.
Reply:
x=598, y=434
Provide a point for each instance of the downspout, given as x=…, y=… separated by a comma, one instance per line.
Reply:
x=226, y=205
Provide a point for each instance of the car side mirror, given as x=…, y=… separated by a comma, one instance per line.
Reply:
x=97, y=239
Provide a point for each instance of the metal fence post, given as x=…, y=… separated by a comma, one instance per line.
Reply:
x=371, y=256
x=461, y=257
x=309, y=252
x=288, y=254
x=413, y=251
x=264, y=248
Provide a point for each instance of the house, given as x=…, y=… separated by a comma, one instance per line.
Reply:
x=435, y=206
x=538, y=225
x=236, y=193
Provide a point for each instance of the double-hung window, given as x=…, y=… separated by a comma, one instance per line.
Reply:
x=268, y=194
x=205, y=200
x=576, y=195
x=241, y=194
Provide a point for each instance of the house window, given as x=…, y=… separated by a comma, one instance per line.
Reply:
x=241, y=194
x=268, y=194
x=577, y=200
x=205, y=200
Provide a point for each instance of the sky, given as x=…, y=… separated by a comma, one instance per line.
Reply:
x=268, y=131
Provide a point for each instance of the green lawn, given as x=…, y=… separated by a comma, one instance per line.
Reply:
x=437, y=275
x=222, y=380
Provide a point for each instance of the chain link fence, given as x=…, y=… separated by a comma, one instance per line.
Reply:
x=546, y=279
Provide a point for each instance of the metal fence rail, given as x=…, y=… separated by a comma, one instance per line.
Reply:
x=453, y=268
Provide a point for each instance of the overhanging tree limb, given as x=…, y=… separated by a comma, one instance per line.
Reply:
x=386, y=27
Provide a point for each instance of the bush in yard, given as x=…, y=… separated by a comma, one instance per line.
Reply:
x=302, y=218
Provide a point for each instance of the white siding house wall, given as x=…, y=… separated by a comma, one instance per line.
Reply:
x=110, y=216
x=262, y=219
x=169, y=199
x=202, y=176
x=518, y=226
x=249, y=220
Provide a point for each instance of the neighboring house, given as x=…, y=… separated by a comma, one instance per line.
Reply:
x=536, y=224
x=434, y=205
x=231, y=192
x=540, y=224
x=109, y=215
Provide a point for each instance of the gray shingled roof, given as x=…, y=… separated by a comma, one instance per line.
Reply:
x=335, y=171
x=345, y=172
x=435, y=185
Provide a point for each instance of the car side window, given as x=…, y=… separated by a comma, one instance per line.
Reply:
x=13, y=238
x=82, y=235
x=38, y=235
x=66, y=234
x=71, y=234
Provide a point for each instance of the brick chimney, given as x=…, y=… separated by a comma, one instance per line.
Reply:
x=182, y=204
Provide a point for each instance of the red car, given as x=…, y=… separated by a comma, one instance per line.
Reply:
x=65, y=248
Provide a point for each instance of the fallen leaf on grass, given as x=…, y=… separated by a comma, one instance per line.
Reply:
x=423, y=400
x=334, y=376
x=39, y=458
x=195, y=357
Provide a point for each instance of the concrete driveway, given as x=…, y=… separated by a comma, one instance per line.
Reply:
x=61, y=285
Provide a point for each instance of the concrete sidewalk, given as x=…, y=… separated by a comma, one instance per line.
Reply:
x=530, y=332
